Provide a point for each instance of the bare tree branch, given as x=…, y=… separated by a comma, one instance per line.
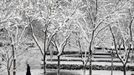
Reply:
x=115, y=45
x=36, y=41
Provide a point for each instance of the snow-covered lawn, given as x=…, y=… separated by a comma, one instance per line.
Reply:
x=77, y=72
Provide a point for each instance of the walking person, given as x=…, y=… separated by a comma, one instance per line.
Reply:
x=28, y=70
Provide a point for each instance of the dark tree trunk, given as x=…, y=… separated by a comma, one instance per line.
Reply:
x=90, y=59
x=58, y=73
x=14, y=67
x=90, y=54
x=90, y=64
x=44, y=62
x=124, y=69
x=45, y=47
x=8, y=71
x=14, y=60
x=112, y=56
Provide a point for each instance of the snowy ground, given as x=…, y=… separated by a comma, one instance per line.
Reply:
x=78, y=72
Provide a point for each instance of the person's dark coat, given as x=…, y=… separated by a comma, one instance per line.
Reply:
x=28, y=70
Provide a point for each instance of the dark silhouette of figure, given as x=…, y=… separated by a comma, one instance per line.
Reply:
x=28, y=70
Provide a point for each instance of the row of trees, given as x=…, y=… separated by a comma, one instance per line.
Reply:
x=57, y=22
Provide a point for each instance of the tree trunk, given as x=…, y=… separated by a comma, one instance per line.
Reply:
x=90, y=61
x=14, y=67
x=44, y=63
x=45, y=49
x=90, y=64
x=8, y=71
x=58, y=73
x=84, y=69
x=90, y=54
x=14, y=60
x=124, y=69
x=112, y=62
